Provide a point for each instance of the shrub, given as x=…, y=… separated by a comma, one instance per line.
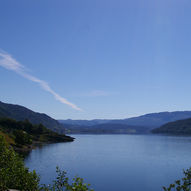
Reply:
x=13, y=173
x=62, y=183
x=22, y=137
x=181, y=185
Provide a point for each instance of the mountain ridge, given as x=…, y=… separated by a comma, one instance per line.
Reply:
x=21, y=113
x=182, y=127
x=141, y=124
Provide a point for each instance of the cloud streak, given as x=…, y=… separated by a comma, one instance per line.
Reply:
x=9, y=63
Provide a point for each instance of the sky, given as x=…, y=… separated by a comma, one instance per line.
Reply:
x=90, y=59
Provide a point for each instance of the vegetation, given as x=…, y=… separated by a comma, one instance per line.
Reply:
x=14, y=175
x=136, y=125
x=181, y=185
x=178, y=127
x=23, y=135
x=62, y=183
x=21, y=113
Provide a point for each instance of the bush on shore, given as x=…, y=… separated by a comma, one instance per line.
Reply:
x=183, y=184
x=14, y=175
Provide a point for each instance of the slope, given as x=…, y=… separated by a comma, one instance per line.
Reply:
x=21, y=113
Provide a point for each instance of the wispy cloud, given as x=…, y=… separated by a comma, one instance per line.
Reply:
x=8, y=62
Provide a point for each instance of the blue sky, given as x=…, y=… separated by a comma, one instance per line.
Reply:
x=110, y=58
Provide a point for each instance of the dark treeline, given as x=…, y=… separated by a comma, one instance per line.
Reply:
x=180, y=127
x=22, y=133
x=21, y=113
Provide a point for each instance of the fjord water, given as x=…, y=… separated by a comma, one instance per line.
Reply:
x=116, y=162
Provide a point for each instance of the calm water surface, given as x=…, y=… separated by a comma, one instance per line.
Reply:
x=116, y=162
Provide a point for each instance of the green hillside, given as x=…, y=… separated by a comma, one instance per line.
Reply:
x=177, y=127
x=23, y=135
x=21, y=113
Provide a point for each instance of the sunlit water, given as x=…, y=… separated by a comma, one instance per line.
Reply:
x=116, y=162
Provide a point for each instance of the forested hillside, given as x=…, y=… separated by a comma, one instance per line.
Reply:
x=136, y=125
x=176, y=127
x=23, y=135
x=21, y=113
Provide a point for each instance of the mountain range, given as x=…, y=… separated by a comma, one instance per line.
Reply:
x=140, y=124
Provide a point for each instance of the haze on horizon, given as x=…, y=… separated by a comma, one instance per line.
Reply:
x=113, y=59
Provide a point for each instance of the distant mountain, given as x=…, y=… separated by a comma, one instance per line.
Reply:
x=84, y=122
x=21, y=113
x=176, y=127
x=140, y=124
x=156, y=119
x=108, y=128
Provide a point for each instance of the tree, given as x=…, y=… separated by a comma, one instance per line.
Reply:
x=22, y=137
x=13, y=173
x=62, y=183
x=181, y=185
